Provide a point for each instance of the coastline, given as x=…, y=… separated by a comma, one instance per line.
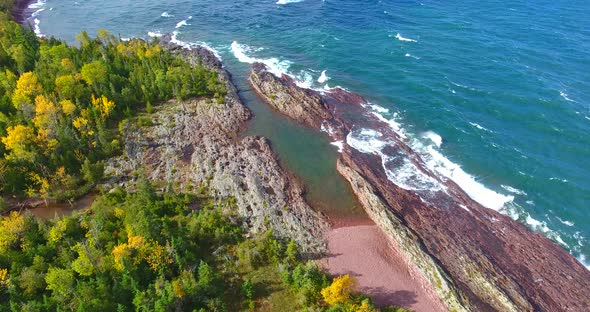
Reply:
x=352, y=239
x=475, y=257
x=20, y=13
x=355, y=163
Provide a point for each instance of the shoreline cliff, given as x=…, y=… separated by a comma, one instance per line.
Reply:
x=477, y=259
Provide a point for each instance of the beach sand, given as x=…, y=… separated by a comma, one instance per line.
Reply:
x=363, y=251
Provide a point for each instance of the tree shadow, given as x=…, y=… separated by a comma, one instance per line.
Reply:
x=384, y=297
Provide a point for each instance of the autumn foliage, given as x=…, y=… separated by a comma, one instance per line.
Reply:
x=60, y=105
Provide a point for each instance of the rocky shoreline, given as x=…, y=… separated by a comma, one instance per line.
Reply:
x=196, y=144
x=475, y=258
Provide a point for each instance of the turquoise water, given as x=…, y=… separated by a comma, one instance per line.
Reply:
x=499, y=88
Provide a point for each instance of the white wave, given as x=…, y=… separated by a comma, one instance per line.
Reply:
x=463, y=86
x=480, y=127
x=568, y=223
x=166, y=14
x=442, y=166
x=37, y=5
x=438, y=163
x=303, y=79
x=154, y=34
x=378, y=111
x=582, y=259
x=37, y=29
x=276, y=66
x=184, y=44
x=530, y=202
x=564, y=95
x=339, y=144
x=190, y=45
x=36, y=13
x=513, y=190
x=401, y=38
x=559, y=240
x=537, y=225
x=377, y=108
x=323, y=77
x=399, y=169
x=434, y=137
x=558, y=179
x=288, y=1
x=412, y=56
x=183, y=22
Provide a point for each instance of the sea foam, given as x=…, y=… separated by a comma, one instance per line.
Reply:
x=436, y=162
x=154, y=34
x=183, y=22
x=323, y=77
x=278, y=67
x=39, y=5
x=401, y=38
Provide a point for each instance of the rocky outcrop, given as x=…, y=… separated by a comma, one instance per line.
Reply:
x=196, y=145
x=475, y=258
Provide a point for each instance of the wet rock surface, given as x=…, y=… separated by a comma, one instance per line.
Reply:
x=195, y=144
x=476, y=258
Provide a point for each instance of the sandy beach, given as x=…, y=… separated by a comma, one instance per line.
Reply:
x=363, y=251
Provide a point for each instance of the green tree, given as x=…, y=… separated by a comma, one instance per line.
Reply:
x=60, y=281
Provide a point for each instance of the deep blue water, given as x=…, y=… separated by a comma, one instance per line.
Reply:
x=504, y=84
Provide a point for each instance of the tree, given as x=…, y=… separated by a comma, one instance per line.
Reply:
x=103, y=105
x=339, y=291
x=67, y=107
x=46, y=113
x=12, y=229
x=60, y=281
x=291, y=252
x=27, y=88
x=92, y=173
x=30, y=280
x=68, y=87
x=19, y=141
x=94, y=73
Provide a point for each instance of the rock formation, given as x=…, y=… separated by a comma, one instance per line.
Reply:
x=476, y=258
x=196, y=144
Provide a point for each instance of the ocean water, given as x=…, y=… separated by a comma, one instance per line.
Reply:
x=495, y=95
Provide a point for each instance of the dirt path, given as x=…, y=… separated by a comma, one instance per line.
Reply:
x=363, y=251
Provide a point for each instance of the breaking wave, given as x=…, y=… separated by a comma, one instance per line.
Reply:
x=401, y=38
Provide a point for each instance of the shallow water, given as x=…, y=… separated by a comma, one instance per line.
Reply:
x=495, y=94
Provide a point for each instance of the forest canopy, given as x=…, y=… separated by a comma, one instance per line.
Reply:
x=60, y=105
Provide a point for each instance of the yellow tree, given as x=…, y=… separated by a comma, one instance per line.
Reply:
x=12, y=228
x=18, y=141
x=46, y=113
x=103, y=105
x=339, y=291
x=27, y=87
x=67, y=107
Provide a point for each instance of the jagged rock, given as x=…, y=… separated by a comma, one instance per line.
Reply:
x=475, y=258
x=196, y=143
